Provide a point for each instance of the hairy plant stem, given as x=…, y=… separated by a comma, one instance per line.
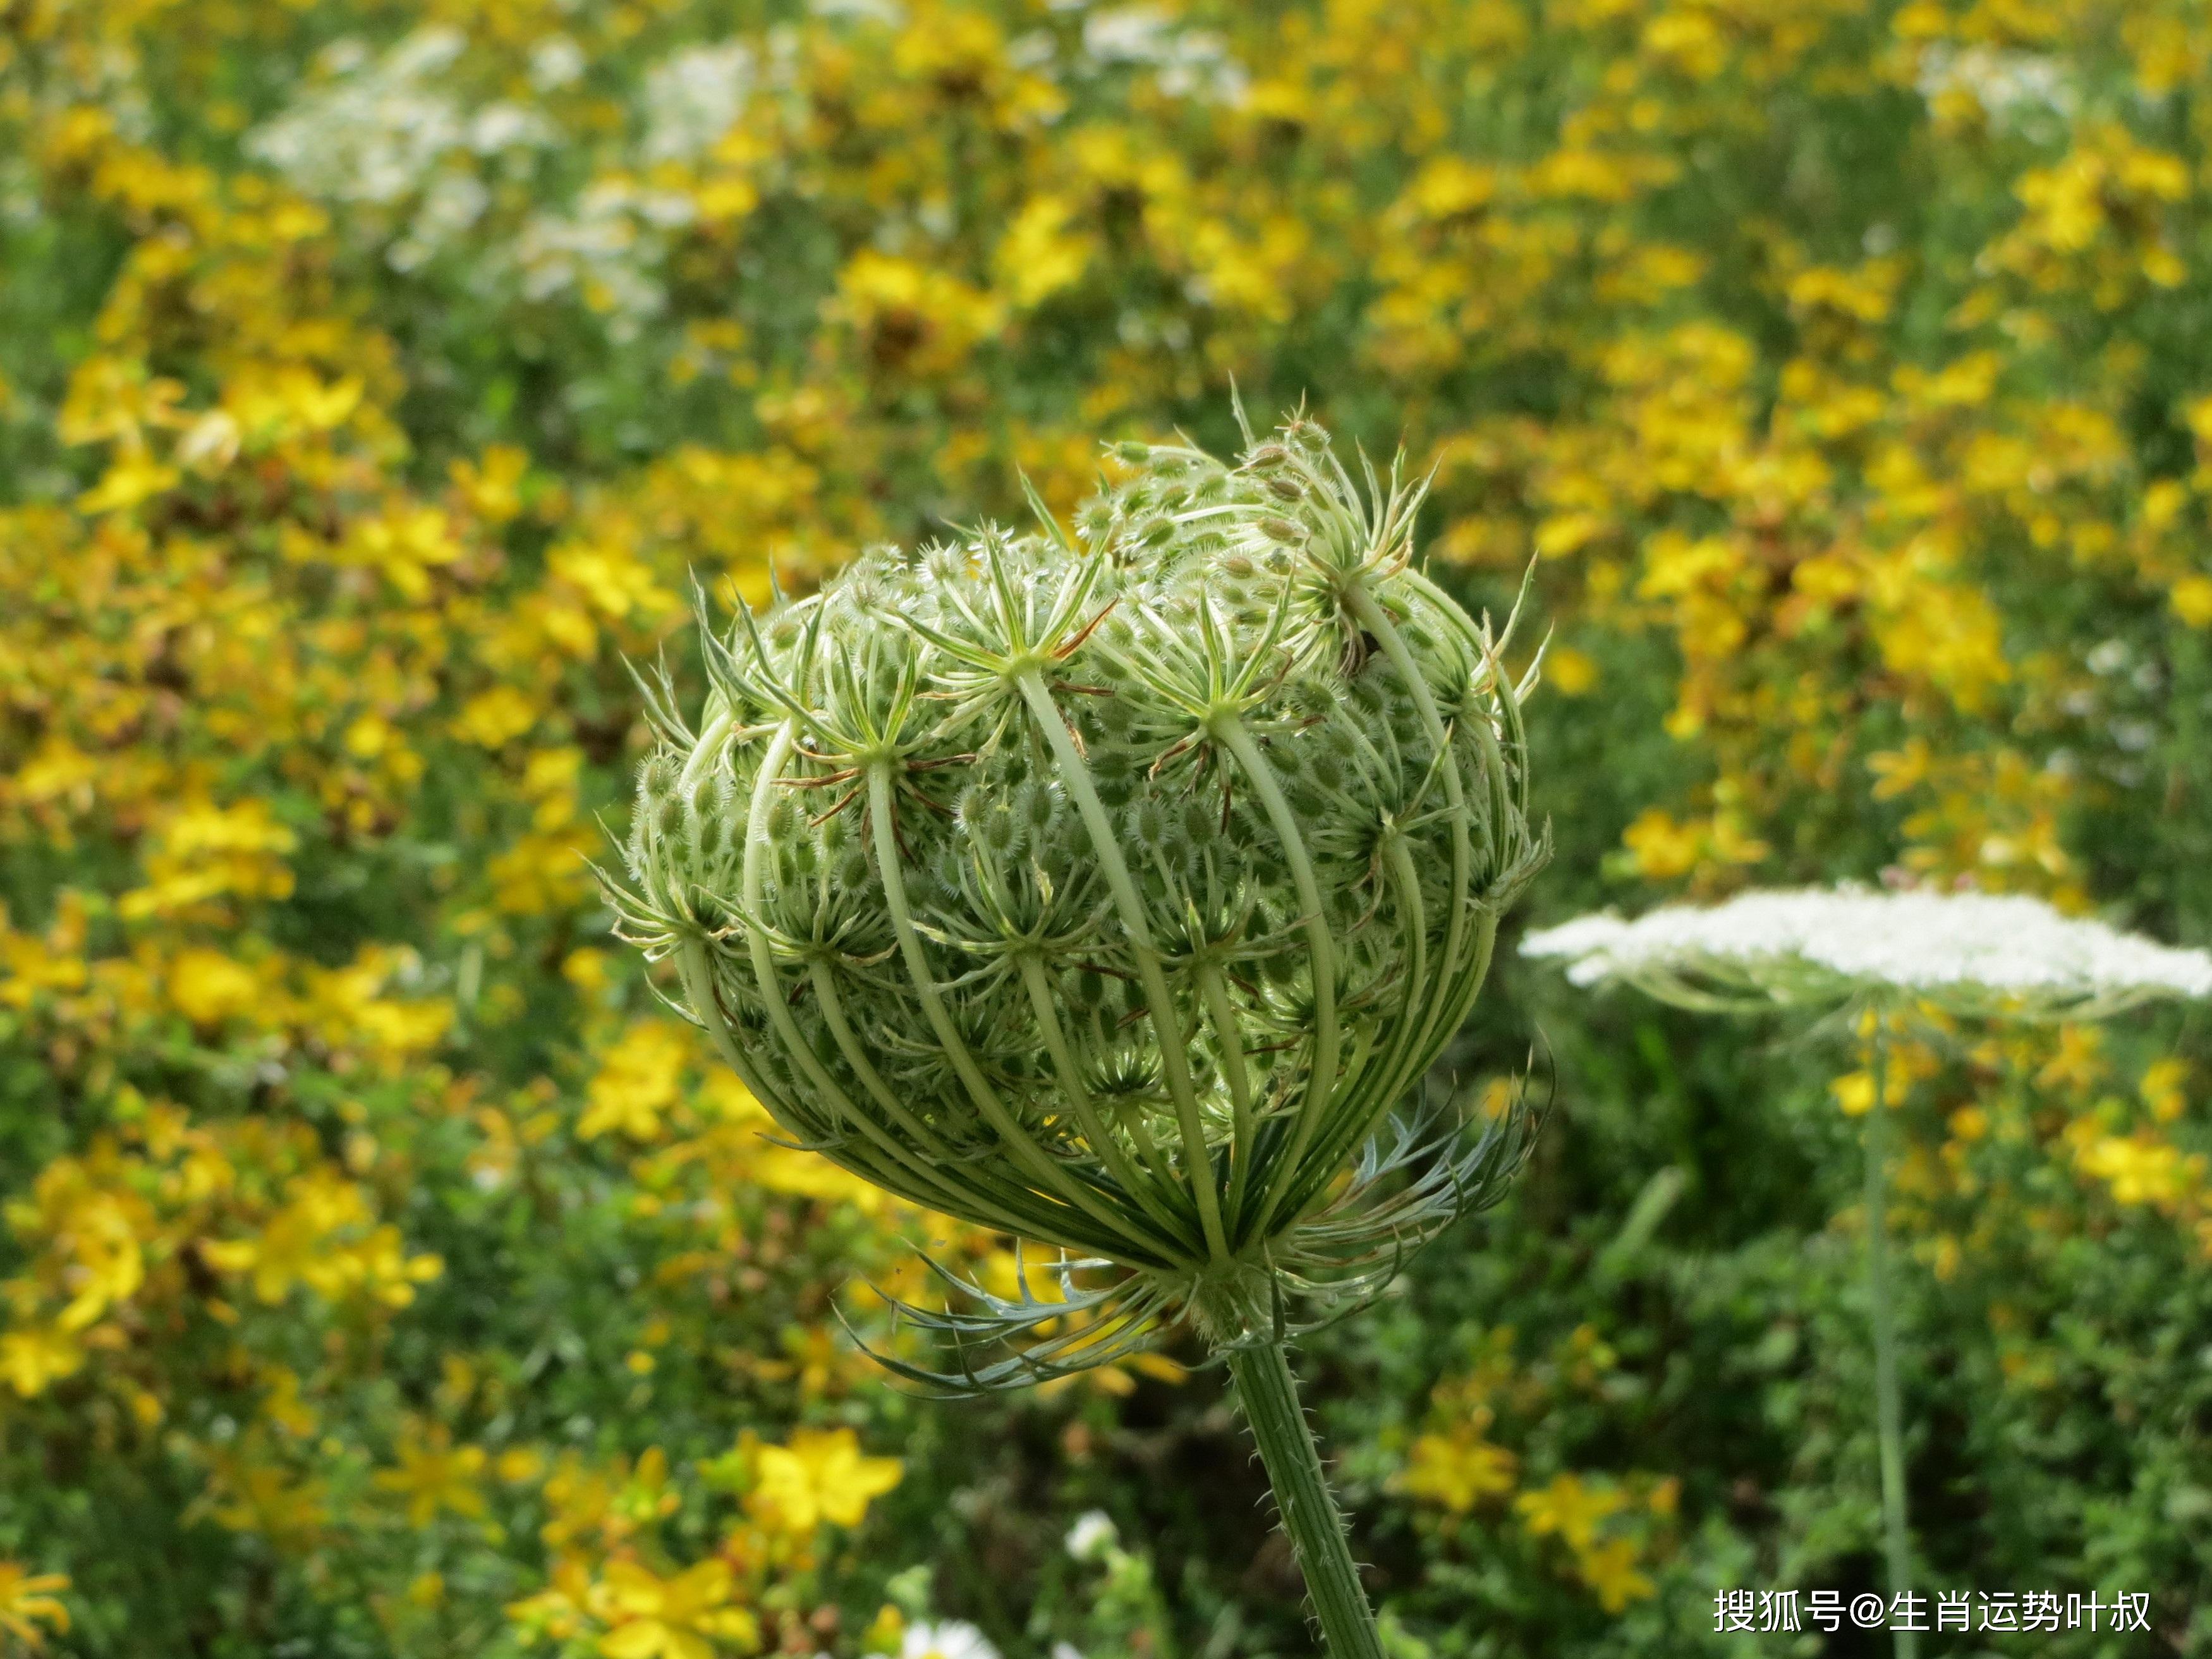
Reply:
x=1269, y=1396
x=1889, y=1411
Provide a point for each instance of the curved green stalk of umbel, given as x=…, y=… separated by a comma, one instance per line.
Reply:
x=1114, y=891
x=1889, y=1411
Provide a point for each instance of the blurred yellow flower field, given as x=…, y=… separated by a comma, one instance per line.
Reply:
x=385, y=1270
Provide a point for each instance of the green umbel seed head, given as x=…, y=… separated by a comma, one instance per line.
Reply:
x=1111, y=891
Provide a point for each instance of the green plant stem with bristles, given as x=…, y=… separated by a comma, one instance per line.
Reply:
x=1268, y=1394
x=1889, y=1411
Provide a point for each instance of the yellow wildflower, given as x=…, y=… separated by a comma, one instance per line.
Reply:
x=1610, y=1569
x=683, y=1617
x=493, y=717
x=434, y=1475
x=264, y=1499
x=2191, y=598
x=492, y=487
x=209, y=987
x=1571, y=1507
x=558, y=1611
x=820, y=1475
x=1570, y=672
x=640, y=1077
x=27, y=1600
x=1457, y=1470
x=2163, y=1088
x=32, y=1360
x=1038, y=256
x=1663, y=848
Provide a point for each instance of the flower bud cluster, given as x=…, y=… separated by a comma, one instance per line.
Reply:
x=1110, y=889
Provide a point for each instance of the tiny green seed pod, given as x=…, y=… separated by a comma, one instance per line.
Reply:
x=1110, y=893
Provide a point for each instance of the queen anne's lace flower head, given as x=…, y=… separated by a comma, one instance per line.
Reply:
x=1968, y=952
x=1107, y=890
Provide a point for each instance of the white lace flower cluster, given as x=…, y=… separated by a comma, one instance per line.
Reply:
x=1970, y=952
x=388, y=132
x=424, y=167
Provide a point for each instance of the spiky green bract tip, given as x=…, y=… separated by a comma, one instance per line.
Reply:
x=1108, y=891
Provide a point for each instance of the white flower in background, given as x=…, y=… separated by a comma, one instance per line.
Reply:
x=887, y=12
x=2008, y=85
x=452, y=204
x=952, y=1639
x=1091, y=1535
x=398, y=138
x=1130, y=35
x=381, y=132
x=497, y=128
x=556, y=62
x=375, y=130
x=693, y=98
x=1971, y=952
x=606, y=251
x=1188, y=63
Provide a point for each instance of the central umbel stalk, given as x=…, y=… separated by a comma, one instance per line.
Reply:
x=1888, y=1405
x=1269, y=1397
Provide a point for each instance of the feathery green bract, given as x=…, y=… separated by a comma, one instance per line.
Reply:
x=1111, y=891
